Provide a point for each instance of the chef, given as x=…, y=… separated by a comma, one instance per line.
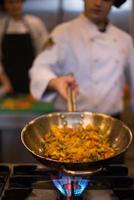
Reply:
x=21, y=39
x=97, y=54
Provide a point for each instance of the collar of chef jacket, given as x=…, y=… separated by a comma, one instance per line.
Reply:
x=92, y=28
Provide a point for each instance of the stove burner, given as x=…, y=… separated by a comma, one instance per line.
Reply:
x=70, y=186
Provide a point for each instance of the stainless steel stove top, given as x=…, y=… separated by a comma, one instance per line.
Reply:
x=38, y=194
x=33, y=182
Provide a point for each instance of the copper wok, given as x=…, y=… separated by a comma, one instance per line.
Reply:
x=118, y=133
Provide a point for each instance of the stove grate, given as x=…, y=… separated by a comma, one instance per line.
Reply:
x=18, y=181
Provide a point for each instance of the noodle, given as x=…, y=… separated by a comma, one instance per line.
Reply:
x=79, y=144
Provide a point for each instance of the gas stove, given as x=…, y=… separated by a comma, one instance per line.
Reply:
x=36, y=182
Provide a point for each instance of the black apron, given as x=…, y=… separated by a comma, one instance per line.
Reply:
x=17, y=56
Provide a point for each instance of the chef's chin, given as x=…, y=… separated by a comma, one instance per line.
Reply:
x=95, y=17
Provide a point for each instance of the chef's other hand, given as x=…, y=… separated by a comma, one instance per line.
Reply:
x=61, y=84
x=5, y=83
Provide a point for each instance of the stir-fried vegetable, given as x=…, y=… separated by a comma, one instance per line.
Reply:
x=79, y=144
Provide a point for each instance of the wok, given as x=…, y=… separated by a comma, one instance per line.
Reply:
x=118, y=133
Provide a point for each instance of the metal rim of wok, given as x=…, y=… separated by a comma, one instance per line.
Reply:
x=124, y=135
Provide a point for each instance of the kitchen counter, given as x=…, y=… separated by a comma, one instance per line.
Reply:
x=16, y=111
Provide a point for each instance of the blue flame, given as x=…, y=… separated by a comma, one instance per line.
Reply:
x=59, y=186
x=65, y=184
x=82, y=183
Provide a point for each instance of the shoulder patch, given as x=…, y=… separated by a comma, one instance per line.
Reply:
x=49, y=44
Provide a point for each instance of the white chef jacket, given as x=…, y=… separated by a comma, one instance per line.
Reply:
x=33, y=24
x=97, y=59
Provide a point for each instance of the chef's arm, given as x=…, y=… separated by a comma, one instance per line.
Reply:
x=45, y=84
x=40, y=74
x=47, y=66
x=131, y=73
x=5, y=83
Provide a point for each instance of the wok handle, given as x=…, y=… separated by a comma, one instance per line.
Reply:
x=71, y=100
x=86, y=172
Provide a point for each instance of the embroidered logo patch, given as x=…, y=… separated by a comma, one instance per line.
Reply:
x=49, y=44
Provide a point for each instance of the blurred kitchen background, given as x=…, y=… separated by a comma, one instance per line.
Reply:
x=54, y=12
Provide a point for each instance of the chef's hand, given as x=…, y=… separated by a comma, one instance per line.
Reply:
x=61, y=84
x=6, y=86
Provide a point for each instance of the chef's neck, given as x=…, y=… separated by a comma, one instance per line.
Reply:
x=101, y=23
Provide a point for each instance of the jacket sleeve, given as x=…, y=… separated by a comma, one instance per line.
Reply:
x=131, y=72
x=47, y=66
